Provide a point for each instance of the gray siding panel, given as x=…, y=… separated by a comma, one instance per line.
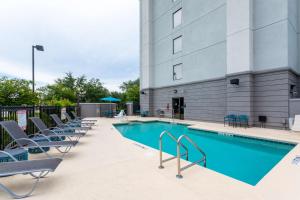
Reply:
x=204, y=101
x=294, y=107
x=240, y=98
x=264, y=94
x=271, y=98
x=146, y=100
x=298, y=86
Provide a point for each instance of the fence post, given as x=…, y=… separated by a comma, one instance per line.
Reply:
x=1, y=131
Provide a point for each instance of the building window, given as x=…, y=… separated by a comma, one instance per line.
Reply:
x=177, y=18
x=177, y=72
x=177, y=44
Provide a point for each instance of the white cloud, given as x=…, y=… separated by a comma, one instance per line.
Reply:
x=98, y=38
x=20, y=70
x=112, y=84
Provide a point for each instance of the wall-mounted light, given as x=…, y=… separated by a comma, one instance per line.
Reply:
x=143, y=93
x=175, y=91
x=235, y=81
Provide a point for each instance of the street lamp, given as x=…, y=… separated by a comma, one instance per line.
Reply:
x=39, y=48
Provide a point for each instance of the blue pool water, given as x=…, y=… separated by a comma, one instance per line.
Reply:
x=245, y=159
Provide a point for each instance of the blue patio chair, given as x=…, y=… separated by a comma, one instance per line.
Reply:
x=243, y=120
x=230, y=119
x=144, y=113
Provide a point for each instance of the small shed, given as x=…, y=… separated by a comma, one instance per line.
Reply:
x=96, y=109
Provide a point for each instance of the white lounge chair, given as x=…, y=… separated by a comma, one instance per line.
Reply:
x=296, y=125
x=121, y=115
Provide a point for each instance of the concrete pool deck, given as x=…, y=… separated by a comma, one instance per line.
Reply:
x=107, y=166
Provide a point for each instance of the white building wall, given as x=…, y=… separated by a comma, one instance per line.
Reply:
x=203, y=32
x=146, y=49
x=220, y=37
x=270, y=34
x=239, y=36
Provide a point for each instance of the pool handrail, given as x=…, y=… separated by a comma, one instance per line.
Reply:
x=179, y=143
x=161, y=161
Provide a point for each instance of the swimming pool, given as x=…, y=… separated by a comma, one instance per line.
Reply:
x=243, y=158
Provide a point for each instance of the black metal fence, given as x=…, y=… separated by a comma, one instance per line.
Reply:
x=44, y=113
x=15, y=112
x=11, y=113
x=70, y=109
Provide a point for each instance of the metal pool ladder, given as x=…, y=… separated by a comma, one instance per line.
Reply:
x=178, y=156
x=203, y=159
x=161, y=161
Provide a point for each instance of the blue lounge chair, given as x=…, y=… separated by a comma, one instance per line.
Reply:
x=78, y=122
x=16, y=167
x=22, y=140
x=69, y=126
x=55, y=133
x=75, y=117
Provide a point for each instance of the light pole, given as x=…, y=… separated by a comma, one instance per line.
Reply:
x=39, y=48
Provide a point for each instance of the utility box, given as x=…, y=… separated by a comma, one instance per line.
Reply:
x=129, y=106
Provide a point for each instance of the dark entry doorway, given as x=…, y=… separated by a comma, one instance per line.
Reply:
x=178, y=108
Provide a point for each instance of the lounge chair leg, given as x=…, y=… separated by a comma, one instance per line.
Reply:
x=77, y=138
x=67, y=149
x=18, y=196
x=43, y=175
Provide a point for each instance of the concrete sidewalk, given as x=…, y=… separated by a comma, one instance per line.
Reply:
x=106, y=166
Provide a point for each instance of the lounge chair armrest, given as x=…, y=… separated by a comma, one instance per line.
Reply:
x=29, y=140
x=59, y=128
x=71, y=123
x=54, y=128
x=44, y=136
x=9, y=155
x=52, y=131
x=67, y=126
x=63, y=129
x=57, y=135
x=35, y=134
x=40, y=134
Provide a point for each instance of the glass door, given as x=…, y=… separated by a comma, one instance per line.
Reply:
x=178, y=108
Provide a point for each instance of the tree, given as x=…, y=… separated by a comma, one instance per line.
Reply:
x=71, y=90
x=118, y=95
x=131, y=90
x=15, y=92
x=66, y=91
x=128, y=84
x=94, y=90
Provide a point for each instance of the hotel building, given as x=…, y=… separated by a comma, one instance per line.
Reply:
x=204, y=59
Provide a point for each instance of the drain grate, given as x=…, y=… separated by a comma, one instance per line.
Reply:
x=141, y=146
x=296, y=161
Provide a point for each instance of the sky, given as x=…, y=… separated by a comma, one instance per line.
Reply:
x=97, y=38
